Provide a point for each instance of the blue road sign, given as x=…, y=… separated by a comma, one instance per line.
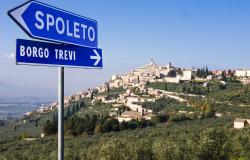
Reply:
x=42, y=21
x=41, y=53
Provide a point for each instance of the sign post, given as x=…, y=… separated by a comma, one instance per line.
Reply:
x=60, y=113
x=76, y=34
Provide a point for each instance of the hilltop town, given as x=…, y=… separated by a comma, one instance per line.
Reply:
x=133, y=89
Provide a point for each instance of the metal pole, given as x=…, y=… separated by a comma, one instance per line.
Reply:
x=60, y=113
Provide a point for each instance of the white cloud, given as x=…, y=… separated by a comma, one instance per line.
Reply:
x=11, y=56
x=7, y=56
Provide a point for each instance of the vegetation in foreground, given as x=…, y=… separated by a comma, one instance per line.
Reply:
x=199, y=139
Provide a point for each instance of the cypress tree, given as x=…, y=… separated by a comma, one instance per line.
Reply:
x=68, y=113
x=166, y=87
x=36, y=122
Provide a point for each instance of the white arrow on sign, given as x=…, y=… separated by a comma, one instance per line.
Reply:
x=17, y=16
x=97, y=57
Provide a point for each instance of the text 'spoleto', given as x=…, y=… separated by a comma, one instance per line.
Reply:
x=42, y=21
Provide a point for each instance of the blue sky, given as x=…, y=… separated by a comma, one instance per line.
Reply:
x=185, y=32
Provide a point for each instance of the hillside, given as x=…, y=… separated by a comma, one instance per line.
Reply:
x=140, y=118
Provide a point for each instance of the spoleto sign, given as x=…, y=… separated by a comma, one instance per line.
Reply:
x=45, y=22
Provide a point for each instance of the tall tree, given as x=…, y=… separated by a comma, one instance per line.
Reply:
x=166, y=86
x=36, y=123
x=68, y=112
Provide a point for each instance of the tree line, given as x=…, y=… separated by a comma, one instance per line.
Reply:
x=90, y=124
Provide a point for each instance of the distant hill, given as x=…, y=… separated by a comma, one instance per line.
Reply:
x=11, y=92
